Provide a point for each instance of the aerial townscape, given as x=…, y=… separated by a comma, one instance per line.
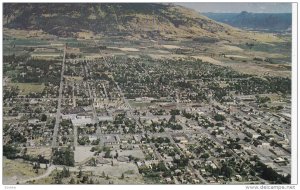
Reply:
x=142, y=94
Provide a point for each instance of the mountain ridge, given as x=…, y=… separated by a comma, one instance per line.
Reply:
x=273, y=22
x=150, y=20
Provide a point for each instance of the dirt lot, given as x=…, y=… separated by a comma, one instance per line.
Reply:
x=170, y=46
x=46, y=152
x=129, y=49
x=135, y=153
x=82, y=153
x=117, y=169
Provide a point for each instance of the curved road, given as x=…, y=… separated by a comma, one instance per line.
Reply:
x=46, y=174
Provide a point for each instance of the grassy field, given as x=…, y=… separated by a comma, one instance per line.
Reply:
x=139, y=104
x=275, y=47
x=74, y=78
x=27, y=41
x=98, y=179
x=15, y=170
x=27, y=88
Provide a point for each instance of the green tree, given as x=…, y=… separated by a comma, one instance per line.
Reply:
x=79, y=174
x=44, y=117
x=72, y=181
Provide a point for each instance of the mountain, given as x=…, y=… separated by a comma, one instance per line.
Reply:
x=272, y=22
x=144, y=20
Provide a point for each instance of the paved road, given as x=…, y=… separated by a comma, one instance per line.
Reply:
x=75, y=136
x=105, y=92
x=268, y=159
x=73, y=94
x=57, y=119
x=93, y=103
x=123, y=97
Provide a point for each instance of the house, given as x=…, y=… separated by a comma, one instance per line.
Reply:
x=279, y=160
x=168, y=180
x=81, y=121
x=181, y=139
x=92, y=137
x=111, y=140
x=238, y=177
x=33, y=121
x=123, y=159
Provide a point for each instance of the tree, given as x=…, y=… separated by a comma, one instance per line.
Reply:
x=63, y=157
x=107, y=154
x=10, y=151
x=205, y=155
x=227, y=171
x=91, y=181
x=44, y=117
x=161, y=130
x=25, y=151
x=85, y=179
x=72, y=181
x=219, y=117
x=65, y=172
x=175, y=112
x=79, y=174
x=94, y=163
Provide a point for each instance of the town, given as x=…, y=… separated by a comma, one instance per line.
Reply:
x=96, y=112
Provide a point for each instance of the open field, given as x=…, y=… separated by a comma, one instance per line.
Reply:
x=117, y=169
x=130, y=176
x=207, y=59
x=254, y=69
x=76, y=78
x=139, y=104
x=16, y=170
x=129, y=49
x=170, y=46
x=46, y=152
x=27, y=88
x=135, y=153
x=236, y=56
x=232, y=48
x=82, y=153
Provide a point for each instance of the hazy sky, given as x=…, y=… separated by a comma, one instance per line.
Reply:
x=239, y=7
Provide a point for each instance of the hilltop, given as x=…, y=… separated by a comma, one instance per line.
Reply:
x=141, y=20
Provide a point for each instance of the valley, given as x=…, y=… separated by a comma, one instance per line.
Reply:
x=184, y=100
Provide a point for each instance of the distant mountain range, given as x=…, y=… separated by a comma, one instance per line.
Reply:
x=272, y=22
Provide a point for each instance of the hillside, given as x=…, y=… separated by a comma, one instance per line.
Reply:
x=142, y=20
x=272, y=22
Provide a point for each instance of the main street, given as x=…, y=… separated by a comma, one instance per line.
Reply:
x=57, y=118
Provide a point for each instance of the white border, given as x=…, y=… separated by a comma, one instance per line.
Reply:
x=294, y=131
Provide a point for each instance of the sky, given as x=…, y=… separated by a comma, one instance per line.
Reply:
x=239, y=7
